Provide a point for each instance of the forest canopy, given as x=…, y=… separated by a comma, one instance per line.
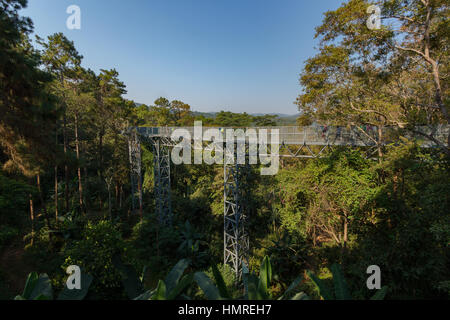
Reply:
x=65, y=189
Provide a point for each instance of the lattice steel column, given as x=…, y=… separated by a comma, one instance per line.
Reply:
x=134, y=147
x=236, y=242
x=161, y=157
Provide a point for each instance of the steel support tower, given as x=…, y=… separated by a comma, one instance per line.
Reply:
x=134, y=148
x=235, y=236
x=161, y=170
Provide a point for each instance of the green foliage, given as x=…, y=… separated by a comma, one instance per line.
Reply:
x=190, y=246
x=155, y=246
x=94, y=254
x=14, y=201
x=343, y=207
x=39, y=287
x=340, y=291
x=7, y=233
x=132, y=282
x=77, y=294
x=255, y=288
x=27, y=110
x=173, y=286
x=224, y=278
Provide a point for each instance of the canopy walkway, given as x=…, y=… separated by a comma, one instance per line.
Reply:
x=294, y=142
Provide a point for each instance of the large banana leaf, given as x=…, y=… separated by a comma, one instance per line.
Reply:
x=207, y=285
x=245, y=275
x=43, y=288
x=146, y=295
x=37, y=288
x=175, y=274
x=160, y=293
x=340, y=286
x=300, y=296
x=265, y=278
x=77, y=294
x=130, y=279
x=29, y=285
x=253, y=292
x=380, y=294
x=185, y=281
x=324, y=291
x=220, y=283
x=293, y=285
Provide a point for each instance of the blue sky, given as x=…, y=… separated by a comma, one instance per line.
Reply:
x=240, y=56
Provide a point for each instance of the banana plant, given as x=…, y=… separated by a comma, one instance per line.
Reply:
x=190, y=246
x=340, y=290
x=39, y=287
x=173, y=286
x=132, y=282
x=211, y=291
x=256, y=288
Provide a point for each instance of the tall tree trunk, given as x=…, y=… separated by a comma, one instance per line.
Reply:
x=117, y=194
x=77, y=148
x=120, y=197
x=56, y=193
x=41, y=198
x=109, y=202
x=66, y=168
x=85, y=201
x=141, y=212
x=100, y=160
x=439, y=100
x=100, y=149
x=56, y=176
x=344, y=241
x=380, y=143
x=31, y=218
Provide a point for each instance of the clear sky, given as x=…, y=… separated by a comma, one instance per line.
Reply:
x=234, y=55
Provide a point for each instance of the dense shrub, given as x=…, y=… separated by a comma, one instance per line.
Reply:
x=94, y=253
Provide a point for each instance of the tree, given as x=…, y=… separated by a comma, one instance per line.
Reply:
x=61, y=58
x=27, y=110
x=265, y=121
x=379, y=77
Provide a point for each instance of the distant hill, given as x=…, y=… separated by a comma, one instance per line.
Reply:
x=282, y=118
x=288, y=119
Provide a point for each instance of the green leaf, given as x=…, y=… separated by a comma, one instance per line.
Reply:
x=77, y=294
x=206, y=284
x=181, y=286
x=29, y=285
x=160, y=293
x=245, y=276
x=143, y=275
x=324, y=291
x=220, y=283
x=130, y=279
x=42, y=287
x=293, y=285
x=146, y=295
x=380, y=294
x=175, y=274
x=253, y=290
x=340, y=285
x=301, y=296
x=265, y=277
